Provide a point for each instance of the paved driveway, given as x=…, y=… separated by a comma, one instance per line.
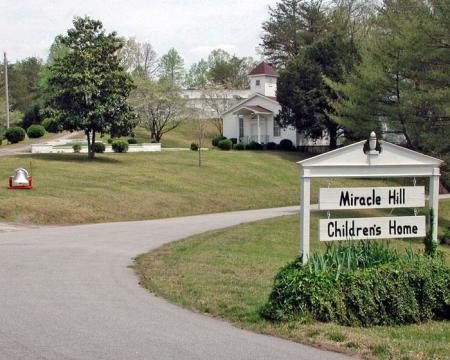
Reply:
x=66, y=293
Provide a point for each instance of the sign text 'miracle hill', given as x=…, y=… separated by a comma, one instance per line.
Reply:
x=371, y=198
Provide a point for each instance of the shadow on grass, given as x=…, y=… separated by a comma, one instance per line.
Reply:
x=292, y=156
x=72, y=157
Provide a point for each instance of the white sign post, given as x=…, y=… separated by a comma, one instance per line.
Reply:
x=352, y=161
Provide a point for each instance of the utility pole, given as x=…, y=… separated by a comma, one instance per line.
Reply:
x=5, y=63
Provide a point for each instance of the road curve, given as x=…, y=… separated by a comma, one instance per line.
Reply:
x=67, y=293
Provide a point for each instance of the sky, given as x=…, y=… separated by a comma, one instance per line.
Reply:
x=193, y=27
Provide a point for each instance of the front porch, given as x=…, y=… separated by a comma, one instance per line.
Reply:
x=253, y=123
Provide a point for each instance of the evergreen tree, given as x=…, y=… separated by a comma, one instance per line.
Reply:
x=302, y=92
x=403, y=81
x=292, y=25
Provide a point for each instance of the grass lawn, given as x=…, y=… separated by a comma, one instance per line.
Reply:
x=181, y=137
x=184, y=136
x=70, y=189
x=228, y=273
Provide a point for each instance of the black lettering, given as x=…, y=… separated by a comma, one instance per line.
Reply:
x=391, y=196
x=345, y=199
x=392, y=224
x=330, y=227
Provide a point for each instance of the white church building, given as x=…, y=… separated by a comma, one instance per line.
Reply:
x=253, y=119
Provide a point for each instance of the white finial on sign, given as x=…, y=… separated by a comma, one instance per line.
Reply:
x=372, y=141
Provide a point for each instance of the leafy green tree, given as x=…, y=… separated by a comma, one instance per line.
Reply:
x=197, y=76
x=24, y=88
x=403, y=81
x=302, y=92
x=171, y=68
x=57, y=50
x=159, y=105
x=292, y=25
x=229, y=72
x=87, y=89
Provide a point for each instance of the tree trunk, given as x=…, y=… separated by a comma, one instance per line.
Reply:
x=90, y=141
x=332, y=132
x=88, y=137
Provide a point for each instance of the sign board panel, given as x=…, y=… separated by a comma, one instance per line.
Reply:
x=371, y=198
x=372, y=228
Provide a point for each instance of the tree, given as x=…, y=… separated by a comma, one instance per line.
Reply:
x=403, y=81
x=292, y=25
x=197, y=76
x=229, y=72
x=57, y=50
x=215, y=101
x=24, y=88
x=139, y=59
x=159, y=105
x=87, y=89
x=302, y=92
x=200, y=130
x=172, y=68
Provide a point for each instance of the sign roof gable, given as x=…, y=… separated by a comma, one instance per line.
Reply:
x=352, y=160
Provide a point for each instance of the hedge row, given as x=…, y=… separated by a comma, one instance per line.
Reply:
x=409, y=290
x=226, y=144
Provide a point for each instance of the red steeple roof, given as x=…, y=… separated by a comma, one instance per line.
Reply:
x=264, y=69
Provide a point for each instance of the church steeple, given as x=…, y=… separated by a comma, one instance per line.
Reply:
x=263, y=80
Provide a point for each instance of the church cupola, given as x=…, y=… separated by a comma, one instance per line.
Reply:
x=263, y=80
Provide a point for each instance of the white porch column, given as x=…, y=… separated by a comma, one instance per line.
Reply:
x=237, y=128
x=259, y=130
x=305, y=190
x=434, y=201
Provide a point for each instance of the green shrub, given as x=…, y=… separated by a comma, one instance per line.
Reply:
x=234, y=140
x=15, y=134
x=120, y=146
x=31, y=116
x=99, y=147
x=132, y=141
x=110, y=140
x=217, y=139
x=76, y=148
x=271, y=146
x=240, y=146
x=35, y=131
x=407, y=290
x=253, y=145
x=51, y=125
x=225, y=144
x=194, y=147
x=286, y=145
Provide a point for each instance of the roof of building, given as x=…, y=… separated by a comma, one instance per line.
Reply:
x=258, y=109
x=264, y=69
x=241, y=104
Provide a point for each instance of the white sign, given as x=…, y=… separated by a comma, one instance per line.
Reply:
x=372, y=228
x=373, y=198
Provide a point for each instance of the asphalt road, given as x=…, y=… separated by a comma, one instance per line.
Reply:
x=67, y=293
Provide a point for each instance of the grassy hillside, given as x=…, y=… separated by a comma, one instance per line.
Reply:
x=70, y=189
x=180, y=137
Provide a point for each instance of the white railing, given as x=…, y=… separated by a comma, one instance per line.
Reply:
x=264, y=139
